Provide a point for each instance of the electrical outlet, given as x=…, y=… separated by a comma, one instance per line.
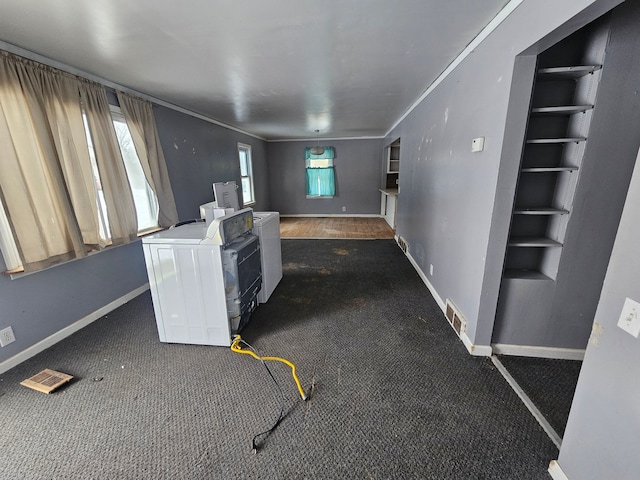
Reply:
x=6, y=336
x=629, y=320
x=431, y=269
x=344, y=209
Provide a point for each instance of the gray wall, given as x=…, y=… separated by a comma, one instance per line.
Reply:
x=601, y=438
x=41, y=304
x=197, y=154
x=447, y=193
x=358, y=170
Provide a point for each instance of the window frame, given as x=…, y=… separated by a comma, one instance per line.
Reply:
x=249, y=170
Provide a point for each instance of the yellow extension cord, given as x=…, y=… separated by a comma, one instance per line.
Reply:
x=235, y=346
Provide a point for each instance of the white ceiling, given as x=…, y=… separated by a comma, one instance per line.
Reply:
x=278, y=69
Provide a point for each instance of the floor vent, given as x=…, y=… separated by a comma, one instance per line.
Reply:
x=455, y=318
x=403, y=244
x=46, y=381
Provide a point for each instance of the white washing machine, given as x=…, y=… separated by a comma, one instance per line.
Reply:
x=266, y=225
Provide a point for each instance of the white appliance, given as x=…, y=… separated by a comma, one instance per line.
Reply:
x=210, y=211
x=204, y=280
x=267, y=228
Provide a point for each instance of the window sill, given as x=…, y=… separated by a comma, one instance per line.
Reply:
x=19, y=272
x=319, y=197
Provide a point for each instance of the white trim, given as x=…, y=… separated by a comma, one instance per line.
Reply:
x=68, y=330
x=325, y=215
x=539, y=352
x=555, y=438
x=323, y=139
x=107, y=83
x=247, y=149
x=426, y=281
x=486, y=31
x=556, y=472
x=475, y=350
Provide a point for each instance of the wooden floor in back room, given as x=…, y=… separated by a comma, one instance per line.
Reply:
x=335, y=227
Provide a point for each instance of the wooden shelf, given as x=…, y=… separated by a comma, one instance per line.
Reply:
x=548, y=169
x=533, y=242
x=561, y=110
x=525, y=275
x=540, y=211
x=575, y=71
x=557, y=140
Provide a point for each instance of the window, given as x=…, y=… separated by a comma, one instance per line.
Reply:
x=143, y=196
x=7, y=243
x=320, y=177
x=105, y=233
x=246, y=174
x=144, y=199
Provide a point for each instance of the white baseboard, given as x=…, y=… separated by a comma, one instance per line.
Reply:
x=475, y=350
x=323, y=215
x=556, y=472
x=539, y=352
x=426, y=281
x=67, y=331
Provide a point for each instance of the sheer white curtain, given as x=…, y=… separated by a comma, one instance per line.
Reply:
x=138, y=114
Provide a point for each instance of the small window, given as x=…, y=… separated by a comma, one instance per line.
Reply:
x=246, y=174
x=320, y=177
x=105, y=233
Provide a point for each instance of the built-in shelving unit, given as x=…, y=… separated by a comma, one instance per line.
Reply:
x=393, y=157
x=557, y=131
x=558, y=211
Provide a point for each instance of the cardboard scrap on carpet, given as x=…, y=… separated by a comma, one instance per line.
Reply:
x=46, y=381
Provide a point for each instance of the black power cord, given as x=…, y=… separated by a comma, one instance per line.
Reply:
x=254, y=442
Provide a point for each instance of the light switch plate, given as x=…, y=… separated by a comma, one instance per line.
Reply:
x=630, y=317
x=477, y=144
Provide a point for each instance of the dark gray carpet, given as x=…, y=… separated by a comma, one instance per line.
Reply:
x=396, y=394
x=549, y=383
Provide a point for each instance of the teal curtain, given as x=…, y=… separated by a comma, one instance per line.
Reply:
x=321, y=182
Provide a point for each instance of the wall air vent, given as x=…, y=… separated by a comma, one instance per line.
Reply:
x=455, y=317
x=403, y=244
